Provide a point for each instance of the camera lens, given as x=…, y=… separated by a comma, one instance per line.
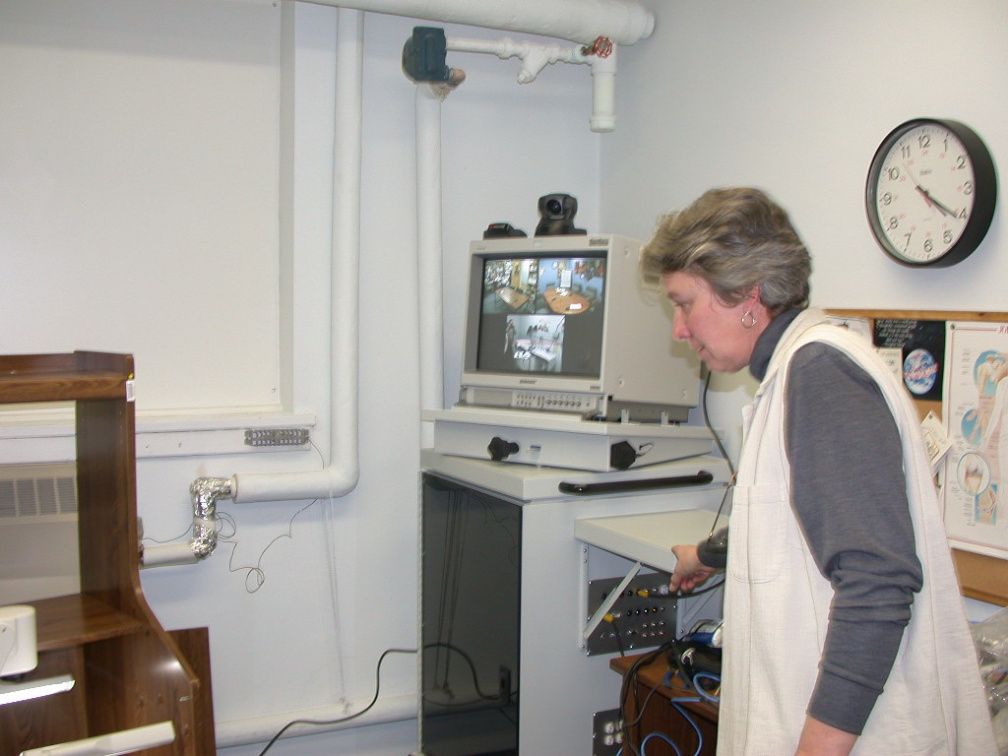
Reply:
x=554, y=207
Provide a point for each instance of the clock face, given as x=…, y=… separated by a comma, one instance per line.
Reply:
x=930, y=192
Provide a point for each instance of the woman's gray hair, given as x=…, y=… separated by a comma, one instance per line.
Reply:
x=735, y=239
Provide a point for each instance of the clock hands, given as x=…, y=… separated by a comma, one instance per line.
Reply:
x=931, y=201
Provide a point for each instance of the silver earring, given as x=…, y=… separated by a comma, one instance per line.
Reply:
x=748, y=319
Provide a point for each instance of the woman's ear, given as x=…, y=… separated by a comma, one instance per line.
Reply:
x=753, y=299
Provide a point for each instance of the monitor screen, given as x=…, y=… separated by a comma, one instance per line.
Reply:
x=543, y=314
x=564, y=324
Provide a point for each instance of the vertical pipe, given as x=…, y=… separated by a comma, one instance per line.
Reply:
x=429, y=241
x=603, y=71
x=340, y=476
x=345, y=323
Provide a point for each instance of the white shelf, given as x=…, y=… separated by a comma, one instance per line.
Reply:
x=646, y=538
x=529, y=483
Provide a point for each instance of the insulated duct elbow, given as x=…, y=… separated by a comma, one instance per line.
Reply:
x=204, y=493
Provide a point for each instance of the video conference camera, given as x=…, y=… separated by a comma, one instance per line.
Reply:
x=556, y=216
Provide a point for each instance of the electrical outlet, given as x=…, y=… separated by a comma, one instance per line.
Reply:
x=504, y=685
x=607, y=735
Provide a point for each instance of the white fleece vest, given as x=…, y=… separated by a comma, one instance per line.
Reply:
x=777, y=603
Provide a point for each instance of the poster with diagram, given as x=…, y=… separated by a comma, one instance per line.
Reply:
x=975, y=410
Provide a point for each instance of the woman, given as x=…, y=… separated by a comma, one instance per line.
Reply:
x=835, y=529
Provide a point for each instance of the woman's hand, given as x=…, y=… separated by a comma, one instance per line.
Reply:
x=819, y=739
x=689, y=570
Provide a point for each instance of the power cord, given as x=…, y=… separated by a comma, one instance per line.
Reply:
x=693, y=724
x=713, y=695
x=680, y=594
x=660, y=736
x=705, y=685
x=328, y=722
x=339, y=720
x=629, y=683
x=480, y=695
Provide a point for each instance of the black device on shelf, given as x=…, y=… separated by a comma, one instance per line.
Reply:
x=556, y=216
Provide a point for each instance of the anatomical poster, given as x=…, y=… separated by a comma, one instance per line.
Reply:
x=975, y=413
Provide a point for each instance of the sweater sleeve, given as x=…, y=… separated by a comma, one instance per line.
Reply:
x=849, y=496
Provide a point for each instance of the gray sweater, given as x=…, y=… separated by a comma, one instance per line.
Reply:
x=848, y=494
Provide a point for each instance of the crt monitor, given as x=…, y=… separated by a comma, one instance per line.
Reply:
x=564, y=324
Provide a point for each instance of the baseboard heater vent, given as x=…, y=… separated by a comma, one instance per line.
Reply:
x=37, y=490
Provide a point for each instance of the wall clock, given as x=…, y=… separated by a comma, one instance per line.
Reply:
x=930, y=192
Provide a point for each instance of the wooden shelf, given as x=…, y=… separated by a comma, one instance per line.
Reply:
x=68, y=621
x=61, y=387
x=129, y=671
x=59, y=377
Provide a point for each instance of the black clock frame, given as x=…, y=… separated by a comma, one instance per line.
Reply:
x=985, y=189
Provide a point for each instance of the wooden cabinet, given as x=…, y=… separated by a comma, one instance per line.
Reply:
x=129, y=671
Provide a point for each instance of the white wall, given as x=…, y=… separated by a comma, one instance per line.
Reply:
x=138, y=187
x=795, y=97
x=184, y=102
x=146, y=177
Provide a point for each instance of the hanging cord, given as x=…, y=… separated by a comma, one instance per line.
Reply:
x=724, y=453
x=332, y=552
x=455, y=527
x=255, y=574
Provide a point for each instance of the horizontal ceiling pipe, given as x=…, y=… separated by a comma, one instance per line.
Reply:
x=534, y=57
x=622, y=21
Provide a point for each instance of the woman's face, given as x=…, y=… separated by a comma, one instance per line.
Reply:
x=713, y=329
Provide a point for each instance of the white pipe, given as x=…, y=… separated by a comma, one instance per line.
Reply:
x=603, y=69
x=429, y=249
x=623, y=21
x=535, y=57
x=506, y=47
x=166, y=554
x=340, y=476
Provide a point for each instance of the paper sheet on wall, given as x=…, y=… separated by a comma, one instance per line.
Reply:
x=975, y=411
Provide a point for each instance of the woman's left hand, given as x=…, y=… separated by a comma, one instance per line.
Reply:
x=819, y=739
